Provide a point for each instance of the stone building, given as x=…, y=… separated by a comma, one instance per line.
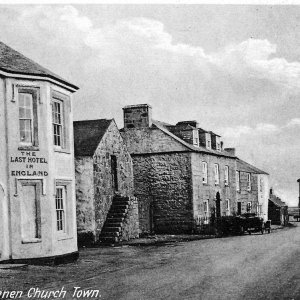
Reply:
x=37, y=182
x=182, y=173
x=106, y=207
x=278, y=210
x=252, y=185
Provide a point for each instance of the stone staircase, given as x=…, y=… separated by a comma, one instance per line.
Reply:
x=112, y=229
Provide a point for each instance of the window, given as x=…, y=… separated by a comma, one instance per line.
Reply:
x=61, y=108
x=227, y=207
x=237, y=178
x=217, y=178
x=206, y=211
x=249, y=206
x=57, y=120
x=28, y=123
x=60, y=204
x=218, y=146
x=204, y=172
x=226, y=180
x=239, y=208
x=114, y=172
x=248, y=182
x=261, y=185
x=195, y=138
x=208, y=144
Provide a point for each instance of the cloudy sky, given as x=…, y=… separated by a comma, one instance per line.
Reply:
x=235, y=69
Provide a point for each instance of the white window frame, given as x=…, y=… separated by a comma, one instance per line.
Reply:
x=196, y=138
x=226, y=176
x=249, y=182
x=217, y=174
x=61, y=124
x=204, y=172
x=61, y=207
x=237, y=178
x=208, y=144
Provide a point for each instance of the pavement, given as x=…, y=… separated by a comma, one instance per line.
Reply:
x=241, y=267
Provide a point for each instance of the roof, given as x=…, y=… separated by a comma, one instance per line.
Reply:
x=162, y=127
x=246, y=167
x=13, y=62
x=277, y=201
x=88, y=134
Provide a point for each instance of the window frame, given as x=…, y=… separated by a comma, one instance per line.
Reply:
x=64, y=101
x=249, y=182
x=238, y=180
x=226, y=175
x=227, y=207
x=217, y=174
x=61, y=209
x=249, y=204
x=204, y=174
x=206, y=212
x=61, y=124
x=34, y=92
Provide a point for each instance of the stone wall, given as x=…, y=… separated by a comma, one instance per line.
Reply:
x=130, y=227
x=163, y=186
x=85, y=210
x=111, y=144
x=207, y=191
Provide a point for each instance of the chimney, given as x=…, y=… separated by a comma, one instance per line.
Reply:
x=137, y=116
x=230, y=151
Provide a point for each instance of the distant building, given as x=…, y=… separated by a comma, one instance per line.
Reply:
x=252, y=190
x=106, y=207
x=294, y=213
x=278, y=210
x=37, y=182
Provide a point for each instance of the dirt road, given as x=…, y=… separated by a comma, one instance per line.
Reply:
x=244, y=267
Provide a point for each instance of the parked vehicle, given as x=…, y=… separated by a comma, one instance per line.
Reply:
x=248, y=222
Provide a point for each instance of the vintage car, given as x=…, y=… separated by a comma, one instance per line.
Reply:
x=248, y=222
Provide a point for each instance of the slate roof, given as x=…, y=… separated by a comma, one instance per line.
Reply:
x=246, y=167
x=88, y=134
x=13, y=62
x=163, y=127
x=277, y=201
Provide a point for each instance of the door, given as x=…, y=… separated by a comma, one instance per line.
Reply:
x=26, y=219
x=239, y=208
x=218, y=205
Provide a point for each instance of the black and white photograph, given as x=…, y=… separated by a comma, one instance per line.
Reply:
x=150, y=150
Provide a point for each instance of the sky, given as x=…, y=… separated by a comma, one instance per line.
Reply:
x=233, y=68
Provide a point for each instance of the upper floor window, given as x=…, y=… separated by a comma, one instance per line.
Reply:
x=204, y=172
x=60, y=121
x=226, y=177
x=28, y=119
x=261, y=185
x=195, y=138
x=237, y=178
x=248, y=182
x=58, y=125
x=218, y=146
x=208, y=144
x=217, y=176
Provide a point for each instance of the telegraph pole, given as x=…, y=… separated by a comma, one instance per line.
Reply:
x=299, y=200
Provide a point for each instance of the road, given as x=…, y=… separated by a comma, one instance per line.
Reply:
x=243, y=267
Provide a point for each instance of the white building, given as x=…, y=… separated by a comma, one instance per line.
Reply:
x=37, y=186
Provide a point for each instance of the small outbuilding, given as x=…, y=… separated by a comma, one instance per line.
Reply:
x=278, y=210
x=106, y=207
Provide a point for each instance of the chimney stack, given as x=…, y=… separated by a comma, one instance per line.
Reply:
x=137, y=116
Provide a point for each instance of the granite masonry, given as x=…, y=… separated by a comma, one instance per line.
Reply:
x=182, y=174
x=103, y=170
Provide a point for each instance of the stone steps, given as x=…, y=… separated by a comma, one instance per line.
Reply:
x=112, y=229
